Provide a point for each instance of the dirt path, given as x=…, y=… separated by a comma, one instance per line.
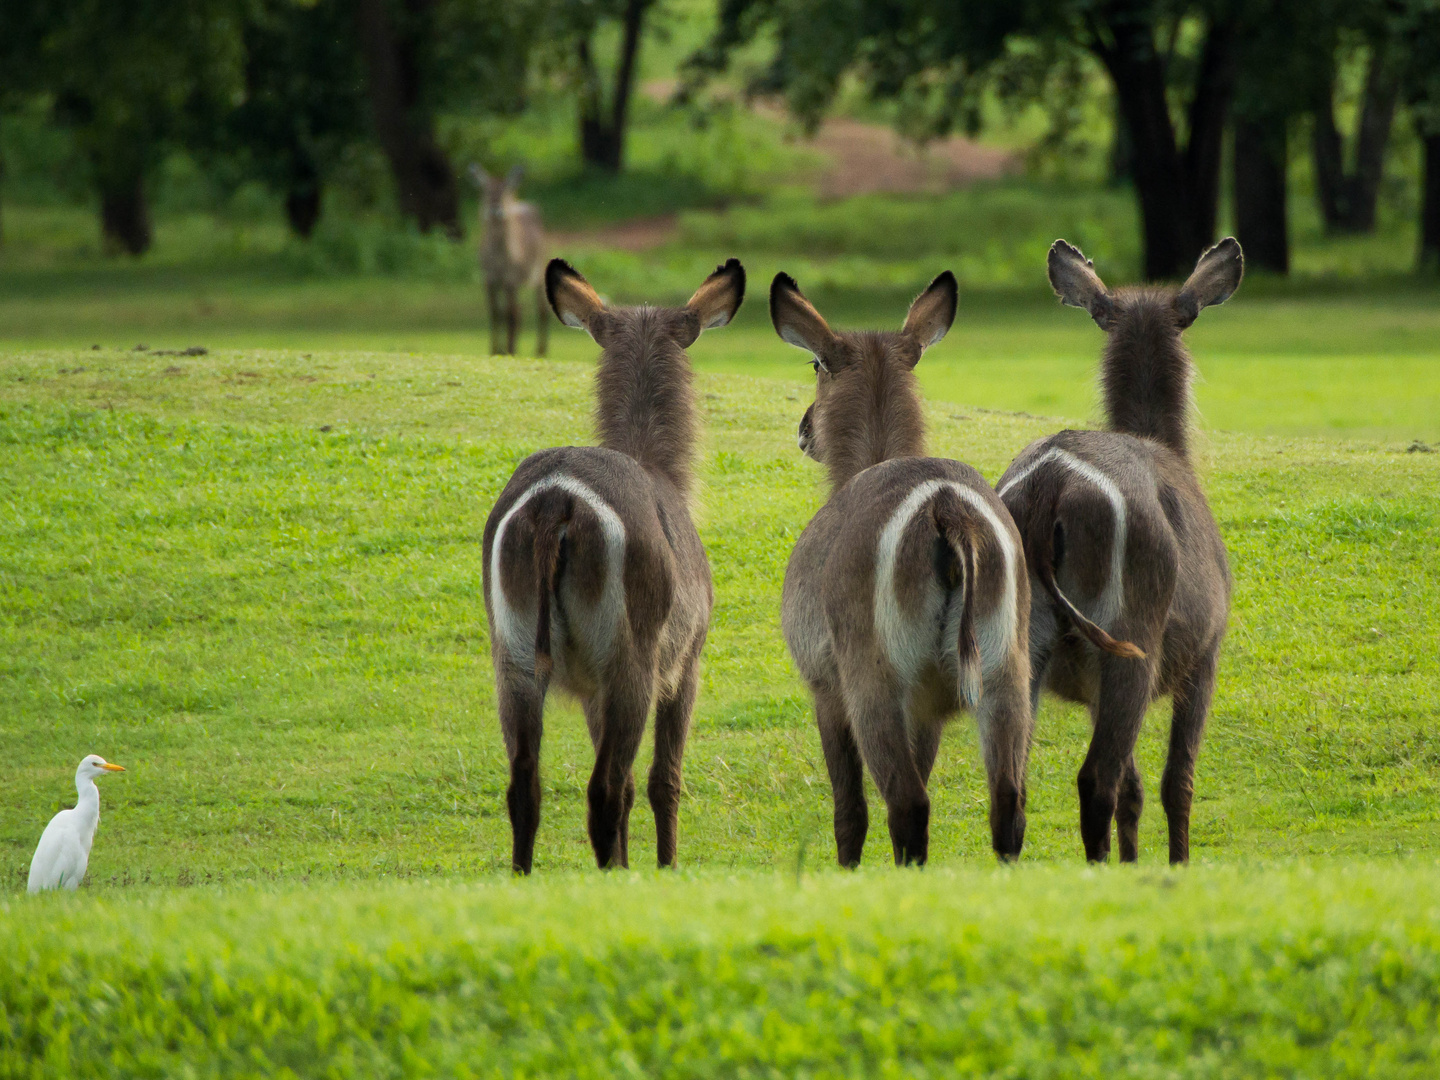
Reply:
x=866, y=158
x=860, y=159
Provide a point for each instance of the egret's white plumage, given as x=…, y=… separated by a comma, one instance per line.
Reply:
x=64, y=848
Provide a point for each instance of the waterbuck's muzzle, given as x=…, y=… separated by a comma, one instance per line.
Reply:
x=805, y=437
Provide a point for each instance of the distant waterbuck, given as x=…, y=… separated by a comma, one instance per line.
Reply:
x=1131, y=586
x=512, y=258
x=906, y=596
x=595, y=578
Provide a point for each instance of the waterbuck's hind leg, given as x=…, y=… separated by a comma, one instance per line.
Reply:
x=521, y=708
x=1130, y=802
x=672, y=727
x=542, y=321
x=1187, y=727
x=847, y=776
x=616, y=718
x=1004, y=721
x=494, y=293
x=879, y=724
x=1118, y=715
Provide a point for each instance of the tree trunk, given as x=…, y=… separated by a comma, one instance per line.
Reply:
x=1260, y=212
x=124, y=213
x=1179, y=192
x=423, y=176
x=1328, y=151
x=1348, y=200
x=302, y=205
x=1205, y=151
x=1122, y=151
x=1430, y=205
x=602, y=137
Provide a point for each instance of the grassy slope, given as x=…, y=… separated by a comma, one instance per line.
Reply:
x=1029, y=972
x=278, y=627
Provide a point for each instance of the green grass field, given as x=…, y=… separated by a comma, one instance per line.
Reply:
x=253, y=578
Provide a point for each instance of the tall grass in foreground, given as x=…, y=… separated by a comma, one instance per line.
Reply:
x=1028, y=972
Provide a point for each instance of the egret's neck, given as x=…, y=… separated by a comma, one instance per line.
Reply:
x=89, y=796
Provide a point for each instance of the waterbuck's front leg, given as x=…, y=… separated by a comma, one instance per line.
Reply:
x=847, y=776
x=522, y=702
x=542, y=321
x=1187, y=726
x=672, y=727
x=512, y=319
x=495, y=294
x=1129, y=803
x=615, y=716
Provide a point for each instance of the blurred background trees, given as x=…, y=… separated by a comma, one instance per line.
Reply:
x=1214, y=104
x=1182, y=73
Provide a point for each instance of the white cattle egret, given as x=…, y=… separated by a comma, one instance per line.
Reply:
x=64, y=849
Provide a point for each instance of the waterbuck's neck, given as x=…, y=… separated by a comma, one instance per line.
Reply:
x=644, y=400
x=1146, y=370
x=869, y=413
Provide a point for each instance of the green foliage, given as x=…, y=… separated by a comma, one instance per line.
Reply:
x=127, y=76
x=1328, y=972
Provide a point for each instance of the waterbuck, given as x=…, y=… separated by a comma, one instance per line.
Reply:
x=1131, y=583
x=905, y=597
x=595, y=577
x=512, y=258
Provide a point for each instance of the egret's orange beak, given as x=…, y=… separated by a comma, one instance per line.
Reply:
x=110, y=767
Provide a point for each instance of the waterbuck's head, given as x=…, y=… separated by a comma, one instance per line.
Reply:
x=867, y=405
x=495, y=190
x=644, y=405
x=1146, y=369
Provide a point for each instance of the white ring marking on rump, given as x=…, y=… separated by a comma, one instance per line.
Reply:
x=518, y=633
x=908, y=651
x=1112, y=597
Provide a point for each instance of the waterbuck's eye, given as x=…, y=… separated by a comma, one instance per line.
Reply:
x=815, y=365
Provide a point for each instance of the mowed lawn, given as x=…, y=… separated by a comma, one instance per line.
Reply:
x=1360, y=362
x=253, y=578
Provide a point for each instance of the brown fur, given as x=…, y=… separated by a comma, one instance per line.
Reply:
x=1171, y=602
x=622, y=636
x=644, y=399
x=512, y=258
x=885, y=678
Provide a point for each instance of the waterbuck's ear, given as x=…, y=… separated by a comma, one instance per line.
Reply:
x=478, y=176
x=514, y=177
x=1216, y=276
x=932, y=312
x=799, y=324
x=720, y=295
x=1074, y=280
x=575, y=302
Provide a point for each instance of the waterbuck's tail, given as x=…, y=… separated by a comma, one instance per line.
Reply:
x=955, y=527
x=552, y=511
x=1041, y=555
